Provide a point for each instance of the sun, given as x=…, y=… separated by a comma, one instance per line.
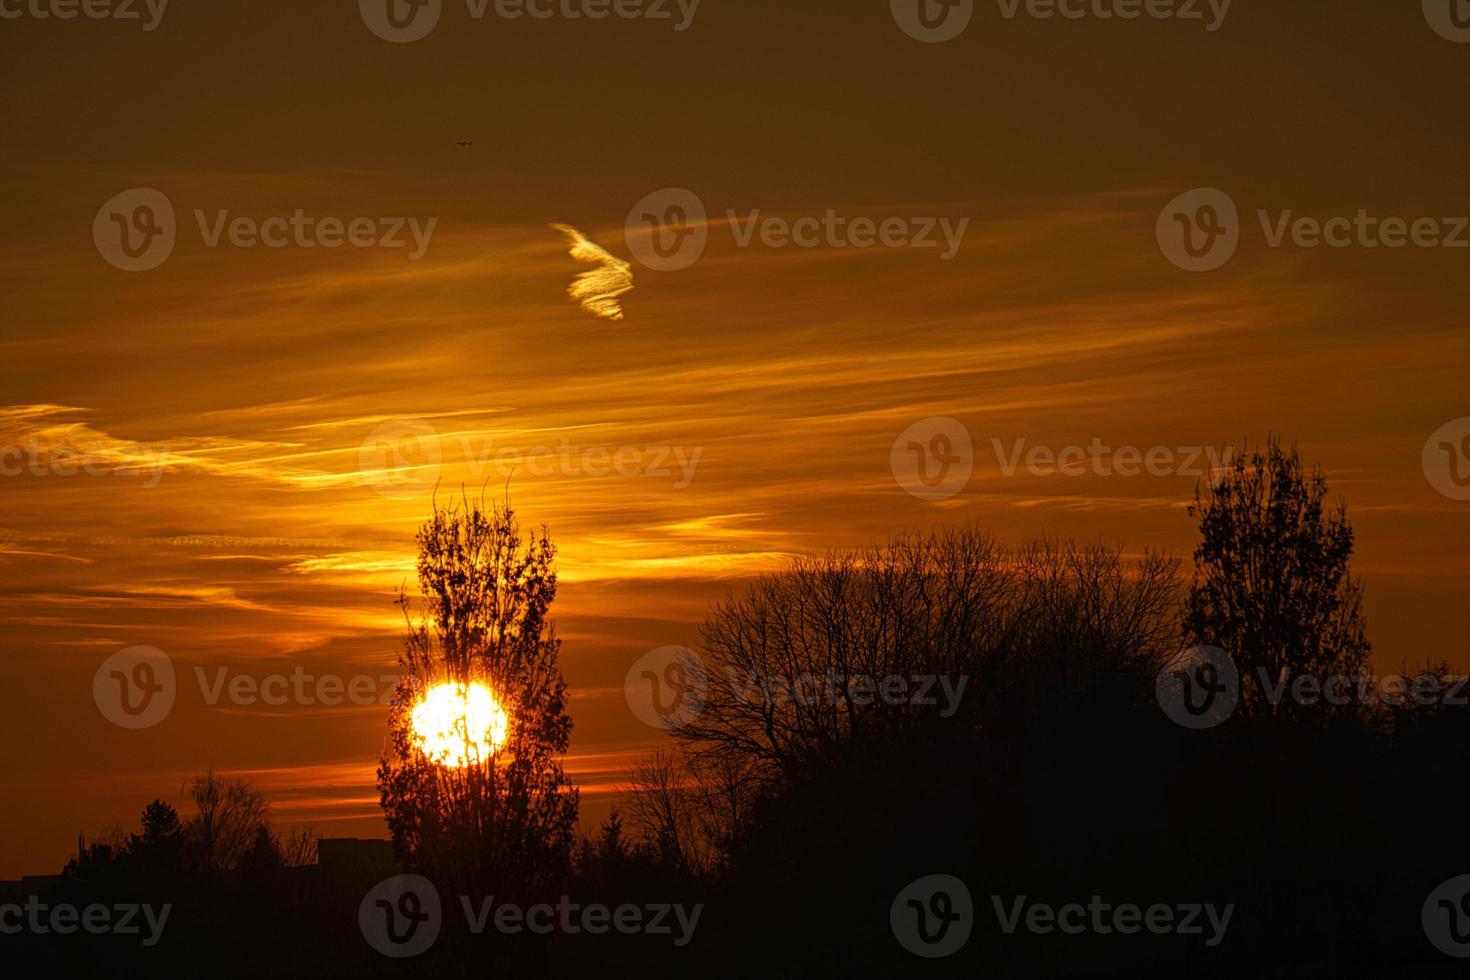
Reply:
x=456, y=725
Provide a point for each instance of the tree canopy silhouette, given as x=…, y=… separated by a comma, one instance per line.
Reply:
x=1272, y=585
x=228, y=812
x=1057, y=618
x=503, y=820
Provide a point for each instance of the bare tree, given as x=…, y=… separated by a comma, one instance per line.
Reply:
x=793, y=670
x=227, y=815
x=297, y=845
x=688, y=809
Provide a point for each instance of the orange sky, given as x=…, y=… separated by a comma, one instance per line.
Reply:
x=235, y=388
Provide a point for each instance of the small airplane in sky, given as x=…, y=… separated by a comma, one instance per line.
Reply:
x=465, y=143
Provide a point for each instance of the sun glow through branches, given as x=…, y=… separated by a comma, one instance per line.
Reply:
x=456, y=725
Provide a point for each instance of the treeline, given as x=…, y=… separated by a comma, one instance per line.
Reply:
x=1057, y=775
x=218, y=889
x=228, y=829
x=1020, y=718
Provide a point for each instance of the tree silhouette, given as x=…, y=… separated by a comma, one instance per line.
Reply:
x=263, y=857
x=161, y=844
x=827, y=758
x=1054, y=617
x=686, y=808
x=227, y=815
x=1272, y=585
x=504, y=819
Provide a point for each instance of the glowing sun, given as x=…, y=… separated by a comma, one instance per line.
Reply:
x=458, y=724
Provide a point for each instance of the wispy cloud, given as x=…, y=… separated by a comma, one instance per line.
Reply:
x=597, y=289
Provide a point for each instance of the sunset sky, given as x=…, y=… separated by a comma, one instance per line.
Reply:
x=236, y=391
